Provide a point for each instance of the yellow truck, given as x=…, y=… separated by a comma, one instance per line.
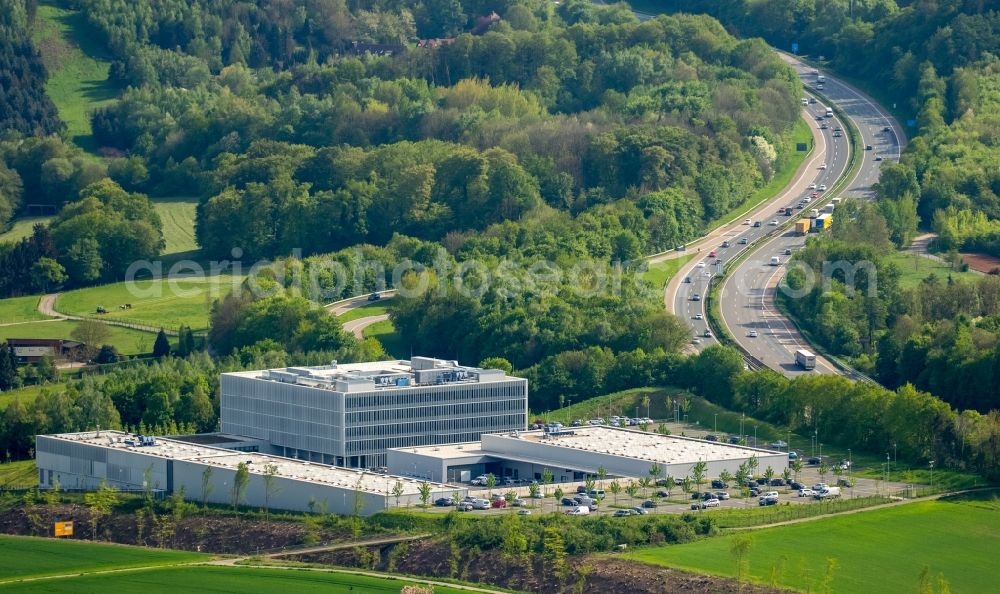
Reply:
x=802, y=226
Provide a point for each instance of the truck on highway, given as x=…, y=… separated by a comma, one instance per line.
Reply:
x=813, y=213
x=802, y=226
x=805, y=359
x=829, y=112
x=820, y=78
x=829, y=207
x=822, y=222
x=836, y=200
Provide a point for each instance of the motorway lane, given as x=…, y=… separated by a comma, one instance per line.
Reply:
x=827, y=163
x=747, y=296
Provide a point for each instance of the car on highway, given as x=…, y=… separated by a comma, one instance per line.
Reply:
x=708, y=333
x=837, y=134
x=887, y=129
x=773, y=223
x=747, y=221
x=701, y=264
x=699, y=316
x=752, y=334
x=681, y=248
x=712, y=254
x=822, y=187
x=743, y=241
x=824, y=127
x=696, y=297
x=822, y=166
x=812, y=100
x=725, y=244
x=695, y=340
x=756, y=223
x=812, y=186
x=788, y=251
x=878, y=157
x=687, y=279
x=374, y=297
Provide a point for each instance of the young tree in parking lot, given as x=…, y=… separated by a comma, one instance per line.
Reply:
x=686, y=485
x=510, y=496
x=558, y=495
x=547, y=477
x=824, y=468
x=456, y=498
x=752, y=464
x=838, y=471
x=768, y=474
x=397, y=491
x=425, y=492
x=589, y=484
x=655, y=471
x=645, y=402
x=644, y=484
x=742, y=476
x=615, y=487
x=632, y=489
x=787, y=475
x=602, y=475
x=796, y=469
x=668, y=484
x=491, y=483
x=644, y=426
x=534, y=489
x=726, y=477
x=698, y=472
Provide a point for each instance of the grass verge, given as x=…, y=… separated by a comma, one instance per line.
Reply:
x=622, y=403
x=392, y=341
x=659, y=274
x=18, y=474
x=880, y=550
x=370, y=309
x=914, y=268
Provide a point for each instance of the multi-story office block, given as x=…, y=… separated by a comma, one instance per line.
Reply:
x=349, y=415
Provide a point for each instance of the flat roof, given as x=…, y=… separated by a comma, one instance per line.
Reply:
x=661, y=449
x=288, y=468
x=379, y=375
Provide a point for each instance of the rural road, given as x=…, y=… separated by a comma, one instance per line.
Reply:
x=46, y=307
x=357, y=327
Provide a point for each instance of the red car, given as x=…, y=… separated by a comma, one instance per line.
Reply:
x=711, y=254
x=499, y=503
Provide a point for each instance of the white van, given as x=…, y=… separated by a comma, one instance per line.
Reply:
x=775, y=261
x=828, y=492
x=581, y=510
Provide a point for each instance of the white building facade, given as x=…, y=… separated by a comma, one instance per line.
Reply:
x=350, y=415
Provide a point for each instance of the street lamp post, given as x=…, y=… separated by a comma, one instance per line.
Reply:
x=887, y=473
x=932, y=475
x=895, y=457
x=716, y=427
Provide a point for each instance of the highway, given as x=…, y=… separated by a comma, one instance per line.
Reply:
x=686, y=292
x=747, y=294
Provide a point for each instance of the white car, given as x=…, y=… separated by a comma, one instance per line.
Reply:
x=753, y=334
x=822, y=187
x=823, y=166
x=698, y=316
x=747, y=221
x=773, y=223
x=807, y=492
x=812, y=186
x=701, y=264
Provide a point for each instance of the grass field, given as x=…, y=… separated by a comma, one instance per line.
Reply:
x=877, y=551
x=26, y=395
x=19, y=309
x=386, y=333
x=659, y=274
x=18, y=474
x=177, y=214
x=913, y=269
x=225, y=579
x=22, y=558
x=155, y=302
x=77, y=65
x=127, y=341
x=22, y=228
x=371, y=309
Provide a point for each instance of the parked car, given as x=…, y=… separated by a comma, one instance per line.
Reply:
x=705, y=504
x=814, y=461
x=517, y=502
x=778, y=482
x=663, y=493
x=754, y=491
x=718, y=484
x=649, y=503
x=443, y=501
x=579, y=511
x=524, y=512
x=662, y=482
x=481, y=504
x=464, y=507
x=499, y=503
x=768, y=500
x=638, y=511
x=820, y=487
x=622, y=513
x=581, y=489
x=806, y=492
x=568, y=501
x=796, y=485
x=711, y=437
x=721, y=495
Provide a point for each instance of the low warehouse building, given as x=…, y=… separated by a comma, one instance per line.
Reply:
x=85, y=460
x=572, y=454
